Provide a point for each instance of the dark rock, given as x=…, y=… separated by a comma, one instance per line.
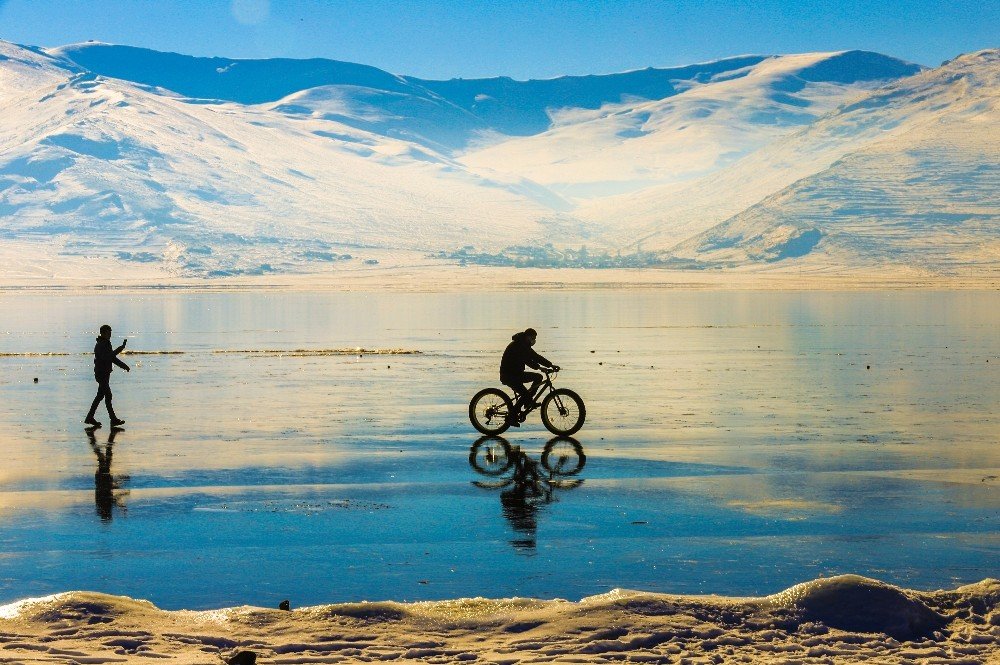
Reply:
x=284, y=605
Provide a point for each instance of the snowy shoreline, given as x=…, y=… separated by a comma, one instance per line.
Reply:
x=841, y=619
x=441, y=279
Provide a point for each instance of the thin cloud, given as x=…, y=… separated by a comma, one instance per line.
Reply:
x=248, y=12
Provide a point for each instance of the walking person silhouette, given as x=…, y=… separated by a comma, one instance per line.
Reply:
x=104, y=358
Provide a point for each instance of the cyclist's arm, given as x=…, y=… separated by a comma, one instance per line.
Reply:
x=536, y=360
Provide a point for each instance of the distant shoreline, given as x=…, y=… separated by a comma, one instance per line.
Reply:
x=458, y=279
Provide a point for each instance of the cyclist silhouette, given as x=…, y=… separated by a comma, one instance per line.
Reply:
x=516, y=357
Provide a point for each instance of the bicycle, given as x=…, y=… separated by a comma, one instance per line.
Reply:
x=563, y=412
x=561, y=457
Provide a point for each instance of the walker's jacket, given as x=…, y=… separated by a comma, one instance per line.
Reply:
x=104, y=356
x=518, y=354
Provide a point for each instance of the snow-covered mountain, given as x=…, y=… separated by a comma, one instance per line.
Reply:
x=102, y=167
x=907, y=176
x=214, y=166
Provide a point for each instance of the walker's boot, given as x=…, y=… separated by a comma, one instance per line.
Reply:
x=90, y=421
x=115, y=422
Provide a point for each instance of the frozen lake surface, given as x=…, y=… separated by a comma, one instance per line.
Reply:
x=736, y=443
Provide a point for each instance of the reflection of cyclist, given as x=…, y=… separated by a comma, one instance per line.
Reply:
x=516, y=356
x=526, y=485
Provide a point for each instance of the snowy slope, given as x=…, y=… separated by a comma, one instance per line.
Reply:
x=659, y=218
x=99, y=167
x=915, y=181
x=709, y=123
x=358, y=95
x=25, y=68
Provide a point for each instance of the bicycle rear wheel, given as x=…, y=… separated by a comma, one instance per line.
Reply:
x=563, y=412
x=489, y=410
x=490, y=456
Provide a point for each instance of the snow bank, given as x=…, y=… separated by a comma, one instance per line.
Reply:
x=846, y=618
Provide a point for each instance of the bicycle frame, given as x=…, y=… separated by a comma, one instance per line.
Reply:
x=492, y=410
x=545, y=386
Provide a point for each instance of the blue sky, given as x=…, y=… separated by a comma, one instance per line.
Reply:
x=523, y=39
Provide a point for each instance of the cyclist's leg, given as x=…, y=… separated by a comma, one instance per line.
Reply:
x=536, y=381
x=522, y=392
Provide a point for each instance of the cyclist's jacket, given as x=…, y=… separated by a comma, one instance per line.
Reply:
x=104, y=356
x=518, y=354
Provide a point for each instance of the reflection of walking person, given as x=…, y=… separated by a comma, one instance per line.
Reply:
x=104, y=358
x=107, y=488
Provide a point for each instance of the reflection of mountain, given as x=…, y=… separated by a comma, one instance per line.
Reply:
x=526, y=484
x=215, y=166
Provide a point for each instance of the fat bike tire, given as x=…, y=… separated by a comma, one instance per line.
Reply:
x=563, y=456
x=563, y=412
x=491, y=456
x=489, y=411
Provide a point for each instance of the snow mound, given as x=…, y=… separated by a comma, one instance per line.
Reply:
x=861, y=605
x=74, y=607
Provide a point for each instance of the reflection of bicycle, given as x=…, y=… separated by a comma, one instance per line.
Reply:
x=563, y=412
x=526, y=484
x=494, y=456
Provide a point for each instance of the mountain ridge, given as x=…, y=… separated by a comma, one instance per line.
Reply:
x=502, y=103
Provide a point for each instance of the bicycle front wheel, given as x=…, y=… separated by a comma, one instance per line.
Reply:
x=563, y=412
x=489, y=410
x=563, y=456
